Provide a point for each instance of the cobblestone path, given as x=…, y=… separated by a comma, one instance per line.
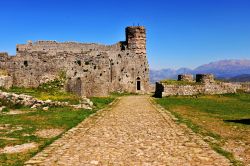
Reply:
x=132, y=132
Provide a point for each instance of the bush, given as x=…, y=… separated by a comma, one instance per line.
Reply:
x=5, y=109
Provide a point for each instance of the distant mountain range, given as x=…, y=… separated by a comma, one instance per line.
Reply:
x=240, y=78
x=231, y=70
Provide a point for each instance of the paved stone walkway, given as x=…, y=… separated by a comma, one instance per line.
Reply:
x=133, y=132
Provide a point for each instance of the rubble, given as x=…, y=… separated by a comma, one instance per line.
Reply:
x=26, y=100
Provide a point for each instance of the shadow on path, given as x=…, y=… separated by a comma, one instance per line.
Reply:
x=241, y=121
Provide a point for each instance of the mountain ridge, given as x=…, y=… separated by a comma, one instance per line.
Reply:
x=223, y=69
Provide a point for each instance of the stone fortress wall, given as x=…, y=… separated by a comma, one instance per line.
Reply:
x=204, y=84
x=91, y=69
x=74, y=47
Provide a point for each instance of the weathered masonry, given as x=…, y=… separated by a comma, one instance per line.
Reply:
x=90, y=69
x=204, y=84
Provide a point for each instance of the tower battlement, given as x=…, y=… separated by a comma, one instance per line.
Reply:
x=136, y=39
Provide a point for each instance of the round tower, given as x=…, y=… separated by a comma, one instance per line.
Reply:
x=136, y=39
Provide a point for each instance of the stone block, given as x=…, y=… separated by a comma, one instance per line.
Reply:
x=6, y=82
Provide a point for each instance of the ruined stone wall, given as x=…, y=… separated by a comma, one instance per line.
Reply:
x=186, y=77
x=205, y=84
x=242, y=86
x=245, y=87
x=90, y=69
x=4, y=58
x=6, y=82
x=189, y=90
x=53, y=47
x=205, y=78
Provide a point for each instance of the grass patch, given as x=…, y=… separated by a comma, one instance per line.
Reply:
x=228, y=106
x=101, y=102
x=117, y=94
x=175, y=82
x=52, y=90
x=5, y=109
x=208, y=115
x=49, y=91
x=225, y=153
x=31, y=122
x=57, y=117
x=22, y=127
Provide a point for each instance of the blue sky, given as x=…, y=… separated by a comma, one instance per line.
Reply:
x=180, y=33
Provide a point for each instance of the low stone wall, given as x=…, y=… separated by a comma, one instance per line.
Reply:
x=6, y=82
x=32, y=102
x=163, y=90
x=245, y=87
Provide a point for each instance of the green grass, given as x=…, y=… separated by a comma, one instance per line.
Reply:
x=225, y=153
x=101, y=102
x=116, y=94
x=228, y=106
x=5, y=109
x=56, y=117
x=62, y=118
x=50, y=91
x=175, y=82
x=203, y=114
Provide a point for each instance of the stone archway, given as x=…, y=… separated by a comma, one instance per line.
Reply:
x=78, y=86
x=138, y=84
x=74, y=85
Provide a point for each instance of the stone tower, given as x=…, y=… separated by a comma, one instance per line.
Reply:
x=136, y=42
x=136, y=39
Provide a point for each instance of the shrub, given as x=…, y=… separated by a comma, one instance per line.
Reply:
x=5, y=109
